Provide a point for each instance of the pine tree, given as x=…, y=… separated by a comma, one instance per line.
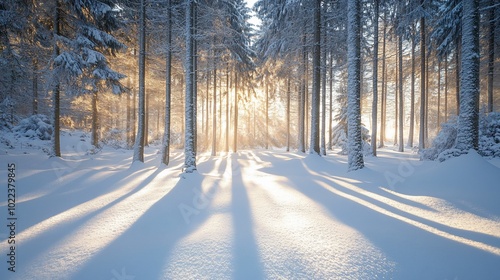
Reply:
x=355, y=153
x=468, y=119
x=316, y=54
x=189, y=68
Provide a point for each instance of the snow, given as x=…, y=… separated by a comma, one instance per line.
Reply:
x=249, y=215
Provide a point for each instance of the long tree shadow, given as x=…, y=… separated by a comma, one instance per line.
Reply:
x=148, y=245
x=412, y=242
x=46, y=240
x=246, y=258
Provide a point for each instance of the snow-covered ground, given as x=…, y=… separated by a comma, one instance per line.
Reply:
x=250, y=215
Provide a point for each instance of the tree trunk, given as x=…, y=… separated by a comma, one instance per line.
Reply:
x=267, y=113
x=128, y=120
x=139, y=140
x=35, y=87
x=468, y=120
x=439, y=96
x=421, y=137
x=491, y=54
x=302, y=98
x=375, y=79
x=355, y=149
x=227, y=109
x=95, y=122
x=412, y=91
x=323, y=91
x=168, y=87
x=330, y=111
x=288, y=114
x=189, y=138
x=446, y=87
x=56, y=142
x=396, y=97
x=400, y=92
x=235, y=137
x=194, y=80
x=214, y=111
x=383, y=106
x=457, y=76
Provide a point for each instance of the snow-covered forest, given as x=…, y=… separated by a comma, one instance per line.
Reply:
x=265, y=139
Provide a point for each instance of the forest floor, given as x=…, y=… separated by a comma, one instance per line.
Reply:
x=254, y=214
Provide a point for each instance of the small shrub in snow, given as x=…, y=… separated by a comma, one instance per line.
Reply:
x=34, y=127
x=446, y=139
x=489, y=135
x=339, y=139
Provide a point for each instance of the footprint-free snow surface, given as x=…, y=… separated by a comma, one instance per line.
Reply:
x=250, y=215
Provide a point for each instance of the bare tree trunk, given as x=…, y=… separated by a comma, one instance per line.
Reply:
x=446, y=87
x=235, y=137
x=95, y=123
x=468, y=120
x=375, y=79
x=302, y=98
x=35, y=86
x=355, y=152
x=227, y=109
x=190, y=145
x=288, y=114
x=412, y=91
x=421, y=138
x=330, y=120
x=168, y=87
x=457, y=76
x=439, y=96
x=400, y=92
x=139, y=141
x=267, y=113
x=491, y=54
x=56, y=142
x=128, y=121
x=214, y=111
x=323, y=91
x=383, y=106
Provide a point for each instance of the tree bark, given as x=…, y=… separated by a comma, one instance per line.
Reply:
x=139, y=140
x=421, y=138
x=412, y=92
x=189, y=138
x=375, y=79
x=400, y=92
x=288, y=114
x=235, y=137
x=355, y=150
x=56, y=142
x=491, y=54
x=468, y=120
x=168, y=87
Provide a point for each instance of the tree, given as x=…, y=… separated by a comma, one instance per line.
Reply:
x=355, y=154
x=375, y=78
x=316, y=53
x=82, y=32
x=139, y=139
x=491, y=52
x=468, y=119
x=189, y=68
x=421, y=138
x=168, y=86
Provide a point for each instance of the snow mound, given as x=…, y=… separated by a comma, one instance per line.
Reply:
x=443, y=146
x=468, y=180
x=34, y=127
